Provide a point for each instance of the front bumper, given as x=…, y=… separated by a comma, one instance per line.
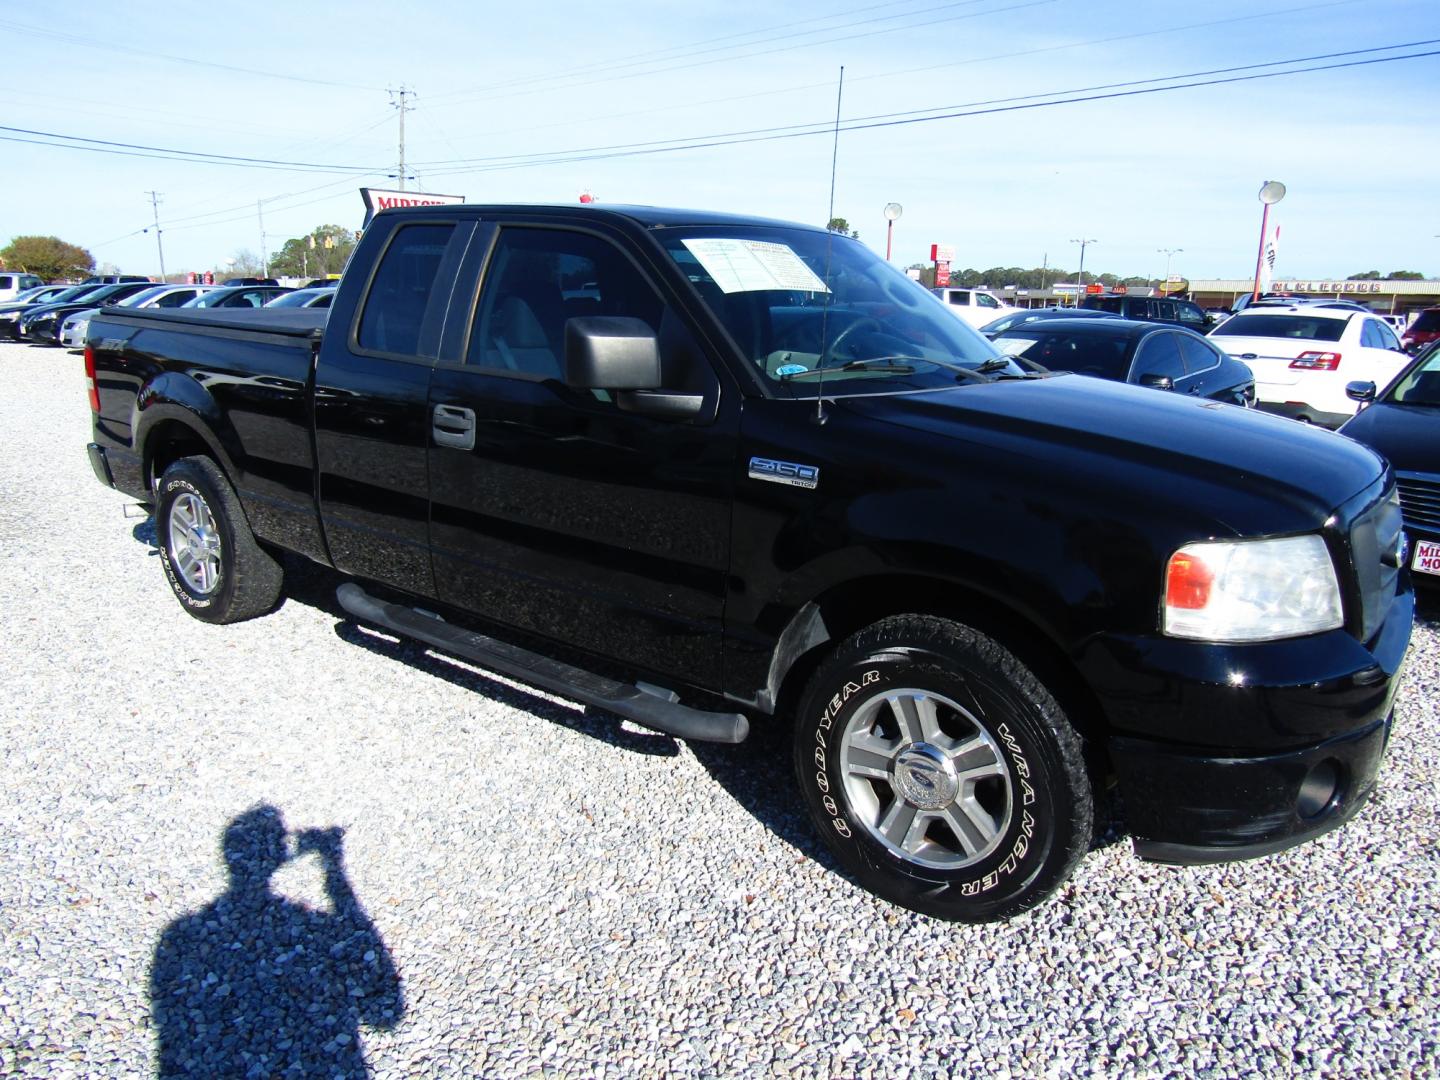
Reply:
x=1232, y=752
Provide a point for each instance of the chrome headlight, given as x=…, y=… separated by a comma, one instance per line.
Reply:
x=1251, y=590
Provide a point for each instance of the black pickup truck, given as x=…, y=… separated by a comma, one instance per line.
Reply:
x=704, y=471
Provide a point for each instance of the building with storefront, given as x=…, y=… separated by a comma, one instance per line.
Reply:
x=1384, y=297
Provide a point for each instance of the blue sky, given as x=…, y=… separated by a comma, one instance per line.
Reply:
x=1357, y=147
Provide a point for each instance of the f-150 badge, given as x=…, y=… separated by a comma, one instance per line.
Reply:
x=784, y=472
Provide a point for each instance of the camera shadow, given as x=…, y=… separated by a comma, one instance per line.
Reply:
x=255, y=984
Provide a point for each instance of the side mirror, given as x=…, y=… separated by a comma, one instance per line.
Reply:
x=611, y=352
x=1362, y=392
x=1157, y=382
x=615, y=352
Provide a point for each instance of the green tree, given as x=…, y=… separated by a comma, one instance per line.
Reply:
x=324, y=250
x=840, y=225
x=1405, y=275
x=1365, y=275
x=48, y=256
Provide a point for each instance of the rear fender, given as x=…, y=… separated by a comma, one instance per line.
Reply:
x=172, y=397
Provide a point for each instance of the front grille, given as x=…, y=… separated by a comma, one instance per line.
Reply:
x=1420, y=499
x=1374, y=545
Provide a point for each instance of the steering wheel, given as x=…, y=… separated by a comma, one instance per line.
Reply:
x=865, y=322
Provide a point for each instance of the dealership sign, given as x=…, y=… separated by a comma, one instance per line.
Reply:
x=1327, y=286
x=377, y=200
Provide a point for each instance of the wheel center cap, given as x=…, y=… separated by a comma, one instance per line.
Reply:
x=925, y=776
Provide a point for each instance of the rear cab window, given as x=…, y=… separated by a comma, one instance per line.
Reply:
x=401, y=290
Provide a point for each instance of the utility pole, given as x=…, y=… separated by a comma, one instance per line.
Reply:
x=402, y=93
x=264, y=259
x=159, y=247
x=1084, y=242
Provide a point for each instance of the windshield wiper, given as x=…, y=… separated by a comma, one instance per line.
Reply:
x=880, y=364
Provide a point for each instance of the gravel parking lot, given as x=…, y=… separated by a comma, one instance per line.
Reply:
x=525, y=887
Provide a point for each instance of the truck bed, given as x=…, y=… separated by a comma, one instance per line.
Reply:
x=291, y=322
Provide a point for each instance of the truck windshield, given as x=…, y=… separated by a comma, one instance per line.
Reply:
x=797, y=301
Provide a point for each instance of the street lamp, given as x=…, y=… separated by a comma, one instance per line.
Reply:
x=892, y=214
x=1167, y=252
x=1084, y=243
x=1271, y=192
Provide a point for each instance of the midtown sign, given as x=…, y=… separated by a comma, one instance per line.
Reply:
x=377, y=200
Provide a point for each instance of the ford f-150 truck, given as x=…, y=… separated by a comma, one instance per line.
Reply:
x=706, y=471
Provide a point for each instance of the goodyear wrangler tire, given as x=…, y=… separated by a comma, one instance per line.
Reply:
x=944, y=776
x=211, y=560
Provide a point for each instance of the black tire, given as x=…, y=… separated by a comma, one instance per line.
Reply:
x=999, y=806
x=232, y=578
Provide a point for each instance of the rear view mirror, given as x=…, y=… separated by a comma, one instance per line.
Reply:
x=1360, y=391
x=611, y=352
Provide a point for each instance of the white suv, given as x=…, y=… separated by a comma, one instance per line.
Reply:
x=976, y=306
x=1303, y=355
x=13, y=284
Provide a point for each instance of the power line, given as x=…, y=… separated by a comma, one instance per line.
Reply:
x=763, y=52
x=151, y=54
x=722, y=141
x=654, y=54
x=1267, y=14
x=179, y=155
x=684, y=52
x=853, y=121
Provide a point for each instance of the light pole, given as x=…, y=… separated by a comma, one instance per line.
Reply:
x=1084, y=243
x=893, y=211
x=1167, y=252
x=1271, y=192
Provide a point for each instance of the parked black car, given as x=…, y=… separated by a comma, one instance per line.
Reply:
x=1029, y=315
x=41, y=323
x=1151, y=309
x=1143, y=353
x=250, y=281
x=1403, y=423
x=10, y=314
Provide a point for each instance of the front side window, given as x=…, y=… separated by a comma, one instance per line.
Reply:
x=1198, y=354
x=986, y=300
x=798, y=302
x=1159, y=354
x=395, y=306
x=539, y=278
x=1420, y=385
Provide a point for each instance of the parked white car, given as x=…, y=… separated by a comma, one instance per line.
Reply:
x=976, y=306
x=1303, y=355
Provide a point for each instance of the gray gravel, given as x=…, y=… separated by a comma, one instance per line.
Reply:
x=528, y=888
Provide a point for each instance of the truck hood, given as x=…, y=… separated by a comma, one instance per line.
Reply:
x=1202, y=456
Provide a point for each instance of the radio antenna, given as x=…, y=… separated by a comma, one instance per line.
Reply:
x=829, y=241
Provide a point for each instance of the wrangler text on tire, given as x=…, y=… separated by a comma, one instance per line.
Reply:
x=942, y=773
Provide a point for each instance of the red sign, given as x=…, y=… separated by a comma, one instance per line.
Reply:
x=1094, y=290
x=942, y=253
x=942, y=275
x=377, y=200
x=1120, y=290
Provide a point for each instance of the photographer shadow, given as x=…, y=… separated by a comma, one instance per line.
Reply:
x=255, y=984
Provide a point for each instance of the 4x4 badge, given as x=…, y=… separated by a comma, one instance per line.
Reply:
x=784, y=472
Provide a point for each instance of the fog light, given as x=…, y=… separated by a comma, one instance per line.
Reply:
x=1319, y=789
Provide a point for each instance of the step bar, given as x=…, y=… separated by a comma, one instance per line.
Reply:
x=650, y=706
